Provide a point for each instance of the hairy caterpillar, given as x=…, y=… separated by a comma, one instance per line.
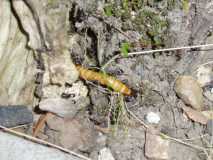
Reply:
x=103, y=79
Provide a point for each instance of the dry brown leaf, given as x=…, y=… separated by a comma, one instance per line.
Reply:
x=40, y=123
x=208, y=114
x=195, y=115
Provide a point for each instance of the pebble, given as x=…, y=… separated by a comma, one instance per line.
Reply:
x=190, y=91
x=63, y=107
x=204, y=75
x=77, y=91
x=209, y=94
x=14, y=115
x=74, y=134
x=209, y=127
x=153, y=118
x=211, y=90
x=156, y=147
x=208, y=114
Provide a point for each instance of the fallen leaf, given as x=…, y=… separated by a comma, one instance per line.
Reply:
x=195, y=115
x=39, y=125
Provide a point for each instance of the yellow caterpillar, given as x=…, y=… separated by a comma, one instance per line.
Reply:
x=103, y=79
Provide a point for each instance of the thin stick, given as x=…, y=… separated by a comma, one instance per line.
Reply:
x=20, y=126
x=182, y=142
x=110, y=61
x=195, y=138
x=154, y=51
x=40, y=141
x=169, y=49
x=134, y=116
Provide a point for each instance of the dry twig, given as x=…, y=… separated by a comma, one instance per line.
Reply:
x=156, y=50
x=169, y=49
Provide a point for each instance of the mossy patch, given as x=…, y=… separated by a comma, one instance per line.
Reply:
x=145, y=16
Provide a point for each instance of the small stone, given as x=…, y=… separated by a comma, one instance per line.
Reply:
x=55, y=122
x=75, y=134
x=52, y=91
x=11, y=116
x=189, y=90
x=152, y=117
x=133, y=15
x=63, y=107
x=101, y=140
x=156, y=147
x=211, y=90
x=77, y=90
x=204, y=75
x=209, y=127
x=209, y=94
x=208, y=114
x=105, y=154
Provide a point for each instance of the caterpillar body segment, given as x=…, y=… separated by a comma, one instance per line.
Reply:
x=103, y=79
x=90, y=75
x=117, y=85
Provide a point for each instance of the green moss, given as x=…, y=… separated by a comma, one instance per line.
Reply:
x=108, y=10
x=147, y=19
x=171, y=4
x=50, y=1
x=185, y=5
x=125, y=49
